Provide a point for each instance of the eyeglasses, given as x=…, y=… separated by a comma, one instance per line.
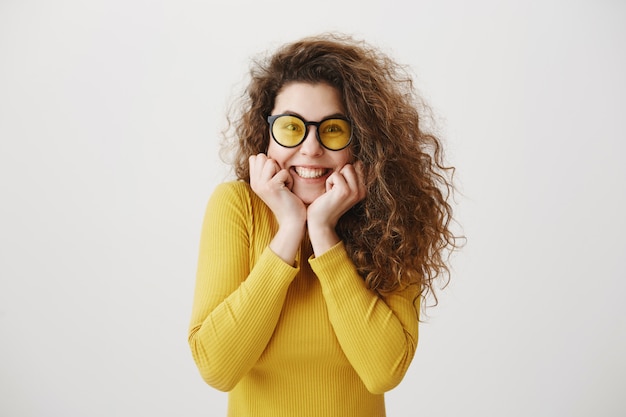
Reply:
x=288, y=130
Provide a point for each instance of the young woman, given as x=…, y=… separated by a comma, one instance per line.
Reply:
x=313, y=264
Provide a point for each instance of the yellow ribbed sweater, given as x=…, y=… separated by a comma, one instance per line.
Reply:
x=285, y=341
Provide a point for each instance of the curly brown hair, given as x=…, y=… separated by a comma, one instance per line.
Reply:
x=400, y=234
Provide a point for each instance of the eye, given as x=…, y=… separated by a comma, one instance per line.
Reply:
x=333, y=128
x=290, y=125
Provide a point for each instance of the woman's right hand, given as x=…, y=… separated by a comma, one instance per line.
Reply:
x=273, y=185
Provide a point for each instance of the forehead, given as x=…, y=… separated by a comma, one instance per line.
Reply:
x=311, y=101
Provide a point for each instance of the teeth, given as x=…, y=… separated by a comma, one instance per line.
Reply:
x=310, y=172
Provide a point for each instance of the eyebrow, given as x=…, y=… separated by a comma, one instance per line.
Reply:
x=294, y=113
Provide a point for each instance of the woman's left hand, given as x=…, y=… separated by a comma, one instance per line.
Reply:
x=344, y=188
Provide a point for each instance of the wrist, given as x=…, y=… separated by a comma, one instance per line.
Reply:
x=322, y=238
x=292, y=219
x=286, y=241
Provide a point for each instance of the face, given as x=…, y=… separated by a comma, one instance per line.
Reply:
x=309, y=163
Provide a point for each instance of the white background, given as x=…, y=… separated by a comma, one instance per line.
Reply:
x=110, y=113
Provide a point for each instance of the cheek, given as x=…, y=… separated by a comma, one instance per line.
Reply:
x=269, y=143
x=277, y=153
x=271, y=149
x=345, y=157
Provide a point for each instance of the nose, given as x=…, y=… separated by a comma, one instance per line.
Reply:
x=311, y=145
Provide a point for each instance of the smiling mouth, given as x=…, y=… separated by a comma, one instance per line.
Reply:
x=310, y=173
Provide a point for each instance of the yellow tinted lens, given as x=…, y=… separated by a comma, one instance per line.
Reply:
x=288, y=130
x=335, y=133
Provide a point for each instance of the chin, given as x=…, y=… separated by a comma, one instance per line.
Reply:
x=308, y=197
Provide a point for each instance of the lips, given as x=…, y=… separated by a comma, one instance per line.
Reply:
x=310, y=173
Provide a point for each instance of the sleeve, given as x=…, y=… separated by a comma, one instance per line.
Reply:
x=235, y=307
x=378, y=334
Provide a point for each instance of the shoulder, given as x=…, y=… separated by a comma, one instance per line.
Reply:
x=235, y=186
x=232, y=191
x=237, y=194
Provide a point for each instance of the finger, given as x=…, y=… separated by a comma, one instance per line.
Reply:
x=256, y=163
x=336, y=179
x=283, y=179
x=360, y=173
x=269, y=169
x=288, y=179
x=252, y=162
x=353, y=175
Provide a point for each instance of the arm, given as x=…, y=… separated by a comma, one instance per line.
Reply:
x=236, y=306
x=378, y=334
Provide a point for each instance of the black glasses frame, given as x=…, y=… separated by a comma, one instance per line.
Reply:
x=272, y=119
